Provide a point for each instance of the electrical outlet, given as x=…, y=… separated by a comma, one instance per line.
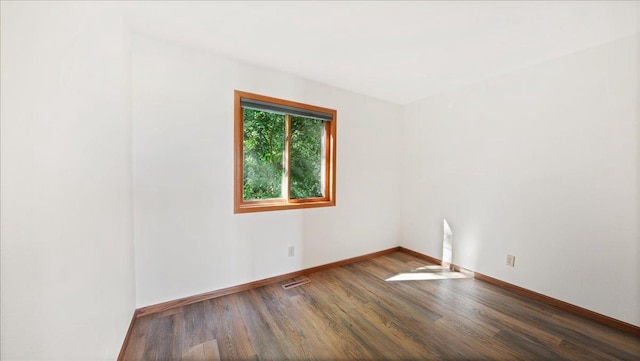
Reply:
x=511, y=260
x=292, y=251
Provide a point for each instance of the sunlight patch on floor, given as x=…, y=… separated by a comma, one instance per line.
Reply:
x=427, y=273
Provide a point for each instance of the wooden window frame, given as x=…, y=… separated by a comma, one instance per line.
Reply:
x=244, y=206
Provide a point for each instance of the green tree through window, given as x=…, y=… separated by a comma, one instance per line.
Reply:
x=285, y=154
x=264, y=143
x=306, y=157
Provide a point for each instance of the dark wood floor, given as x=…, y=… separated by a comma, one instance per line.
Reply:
x=352, y=312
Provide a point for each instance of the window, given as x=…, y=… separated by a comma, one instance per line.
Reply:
x=285, y=154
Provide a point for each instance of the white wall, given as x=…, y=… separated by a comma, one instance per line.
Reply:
x=188, y=240
x=67, y=241
x=541, y=164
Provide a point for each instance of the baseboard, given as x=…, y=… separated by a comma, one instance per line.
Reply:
x=565, y=306
x=149, y=310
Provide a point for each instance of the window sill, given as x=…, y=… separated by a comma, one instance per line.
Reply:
x=278, y=206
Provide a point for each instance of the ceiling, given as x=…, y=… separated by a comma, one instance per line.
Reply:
x=396, y=51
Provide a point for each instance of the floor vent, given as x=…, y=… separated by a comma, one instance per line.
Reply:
x=297, y=283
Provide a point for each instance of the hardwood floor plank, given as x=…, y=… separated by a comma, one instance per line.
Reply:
x=294, y=325
x=195, y=325
x=335, y=315
x=262, y=328
x=232, y=335
x=137, y=342
x=319, y=330
x=211, y=352
x=614, y=337
x=353, y=312
x=530, y=348
x=576, y=352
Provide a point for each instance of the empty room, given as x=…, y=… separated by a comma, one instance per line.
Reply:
x=320, y=180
